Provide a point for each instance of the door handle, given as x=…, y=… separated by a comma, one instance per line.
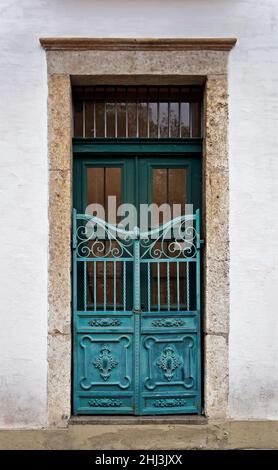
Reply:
x=137, y=312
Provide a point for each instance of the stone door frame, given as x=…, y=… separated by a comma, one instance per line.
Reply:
x=139, y=61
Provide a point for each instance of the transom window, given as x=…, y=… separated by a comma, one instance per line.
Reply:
x=137, y=111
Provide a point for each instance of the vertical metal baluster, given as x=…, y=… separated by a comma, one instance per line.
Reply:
x=187, y=287
x=124, y=285
x=85, y=284
x=179, y=118
x=84, y=119
x=158, y=117
x=149, y=287
x=126, y=113
x=178, y=285
x=158, y=286
x=115, y=285
x=105, y=119
x=95, y=124
x=168, y=285
x=95, y=285
x=169, y=109
x=190, y=119
x=116, y=114
x=89, y=280
x=104, y=285
x=148, y=117
x=137, y=115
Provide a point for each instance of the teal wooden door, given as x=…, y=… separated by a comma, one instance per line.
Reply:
x=136, y=296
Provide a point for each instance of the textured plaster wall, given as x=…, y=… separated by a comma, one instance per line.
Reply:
x=253, y=139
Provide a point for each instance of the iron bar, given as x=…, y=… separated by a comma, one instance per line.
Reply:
x=137, y=115
x=84, y=119
x=158, y=286
x=149, y=287
x=85, y=284
x=95, y=286
x=126, y=114
x=187, y=288
x=124, y=284
x=168, y=286
x=104, y=285
x=115, y=285
x=95, y=124
x=169, y=110
x=178, y=285
x=105, y=119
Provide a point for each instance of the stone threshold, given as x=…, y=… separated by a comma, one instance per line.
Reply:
x=169, y=419
x=217, y=434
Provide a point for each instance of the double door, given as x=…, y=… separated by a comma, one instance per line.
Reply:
x=136, y=291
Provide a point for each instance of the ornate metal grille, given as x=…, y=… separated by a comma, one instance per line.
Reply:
x=137, y=111
x=168, y=258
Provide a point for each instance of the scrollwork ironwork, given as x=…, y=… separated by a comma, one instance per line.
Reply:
x=98, y=239
x=175, y=239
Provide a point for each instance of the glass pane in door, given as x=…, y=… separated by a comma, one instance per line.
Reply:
x=169, y=186
x=105, y=278
x=169, y=280
x=102, y=183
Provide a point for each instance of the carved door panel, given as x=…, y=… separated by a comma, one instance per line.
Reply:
x=136, y=301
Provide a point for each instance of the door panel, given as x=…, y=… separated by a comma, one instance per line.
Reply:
x=105, y=372
x=169, y=373
x=142, y=359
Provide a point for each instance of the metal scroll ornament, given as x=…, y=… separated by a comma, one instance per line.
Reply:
x=97, y=238
x=169, y=361
x=105, y=362
x=177, y=238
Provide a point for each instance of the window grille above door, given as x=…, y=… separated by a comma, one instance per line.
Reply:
x=137, y=111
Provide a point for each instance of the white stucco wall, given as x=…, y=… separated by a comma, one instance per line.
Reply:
x=253, y=140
